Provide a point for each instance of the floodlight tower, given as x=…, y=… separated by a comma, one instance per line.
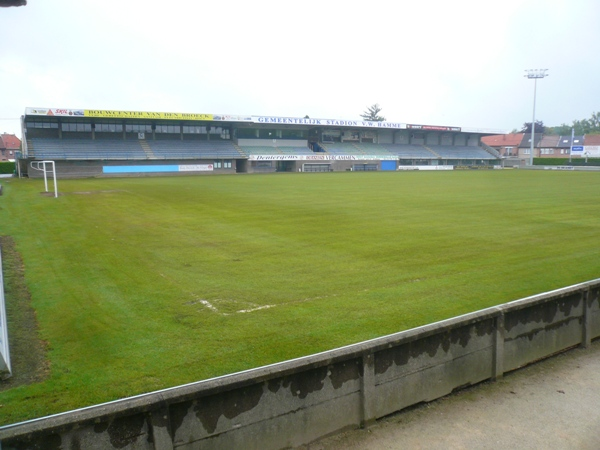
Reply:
x=535, y=74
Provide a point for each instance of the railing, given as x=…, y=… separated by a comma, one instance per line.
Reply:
x=492, y=151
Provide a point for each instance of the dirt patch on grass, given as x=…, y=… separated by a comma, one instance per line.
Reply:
x=27, y=350
x=51, y=194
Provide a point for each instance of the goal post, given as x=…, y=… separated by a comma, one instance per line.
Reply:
x=41, y=165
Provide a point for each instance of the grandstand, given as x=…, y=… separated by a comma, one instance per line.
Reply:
x=85, y=149
x=177, y=149
x=127, y=143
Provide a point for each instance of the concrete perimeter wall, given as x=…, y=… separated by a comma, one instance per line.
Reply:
x=299, y=401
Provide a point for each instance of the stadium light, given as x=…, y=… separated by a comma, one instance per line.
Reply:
x=534, y=74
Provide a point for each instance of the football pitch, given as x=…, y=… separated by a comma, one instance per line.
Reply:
x=140, y=284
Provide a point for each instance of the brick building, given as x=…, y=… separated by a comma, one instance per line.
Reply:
x=9, y=146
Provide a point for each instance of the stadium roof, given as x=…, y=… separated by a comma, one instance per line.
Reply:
x=249, y=119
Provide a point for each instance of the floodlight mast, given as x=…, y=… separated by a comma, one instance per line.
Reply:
x=535, y=74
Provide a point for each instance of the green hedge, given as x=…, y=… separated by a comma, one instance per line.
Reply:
x=566, y=162
x=7, y=167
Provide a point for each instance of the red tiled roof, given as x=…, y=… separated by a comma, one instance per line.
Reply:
x=591, y=139
x=501, y=140
x=10, y=142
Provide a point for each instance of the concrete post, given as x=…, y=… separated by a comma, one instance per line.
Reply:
x=498, y=354
x=367, y=391
x=159, y=420
x=586, y=335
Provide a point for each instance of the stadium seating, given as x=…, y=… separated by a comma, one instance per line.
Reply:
x=409, y=151
x=460, y=152
x=177, y=149
x=134, y=149
x=341, y=148
x=84, y=149
x=373, y=149
x=275, y=150
x=109, y=149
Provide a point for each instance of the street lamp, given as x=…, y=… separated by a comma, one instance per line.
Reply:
x=535, y=74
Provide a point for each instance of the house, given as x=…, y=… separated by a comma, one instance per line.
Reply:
x=505, y=144
x=564, y=144
x=549, y=147
x=591, y=146
x=525, y=146
x=9, y=146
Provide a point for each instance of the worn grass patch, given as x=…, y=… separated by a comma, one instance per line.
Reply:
x=27, y=350
x=146, y=283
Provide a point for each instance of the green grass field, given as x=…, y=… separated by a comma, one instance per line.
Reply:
x=145, y=283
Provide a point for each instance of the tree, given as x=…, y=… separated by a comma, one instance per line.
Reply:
x=581, y=127
x=371, y=114
x=539, y=127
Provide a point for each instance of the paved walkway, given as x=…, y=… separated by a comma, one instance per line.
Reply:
x=554, y=404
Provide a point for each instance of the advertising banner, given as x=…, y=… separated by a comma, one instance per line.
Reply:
x=425, y=167
x=163, y=168
x=432, y=128
x=196, y=168
x=115, y=114
x=326, y=122
x=321, y=157
x=591, y=151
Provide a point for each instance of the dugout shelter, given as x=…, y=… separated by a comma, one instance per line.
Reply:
x=105, y=143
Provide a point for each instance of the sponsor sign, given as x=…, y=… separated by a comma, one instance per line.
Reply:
x=326, y=122
x=158, y=168
x=229, y=118
x=425, y=167
x=432, y=128
x=577, y=150
x=196, y=168
x=591, y=151
x=53, y=112
x=320, y=157
x=114, y=114
x=111, y=114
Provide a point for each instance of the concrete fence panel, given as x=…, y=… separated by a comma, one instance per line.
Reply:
x=299, y=401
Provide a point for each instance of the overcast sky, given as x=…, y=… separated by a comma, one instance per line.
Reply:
x=456, y=63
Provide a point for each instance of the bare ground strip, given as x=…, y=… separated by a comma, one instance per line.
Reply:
x=27, y=350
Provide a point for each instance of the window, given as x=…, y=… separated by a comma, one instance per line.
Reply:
x=527, y=151
x=138, y=128
x=267, y=134
x=76, y=126
x=195, y=129
x=172, y=129
x=294, y=134
x=110, y=127
x=222, y=164
x=246, y=133
x=42, y=124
